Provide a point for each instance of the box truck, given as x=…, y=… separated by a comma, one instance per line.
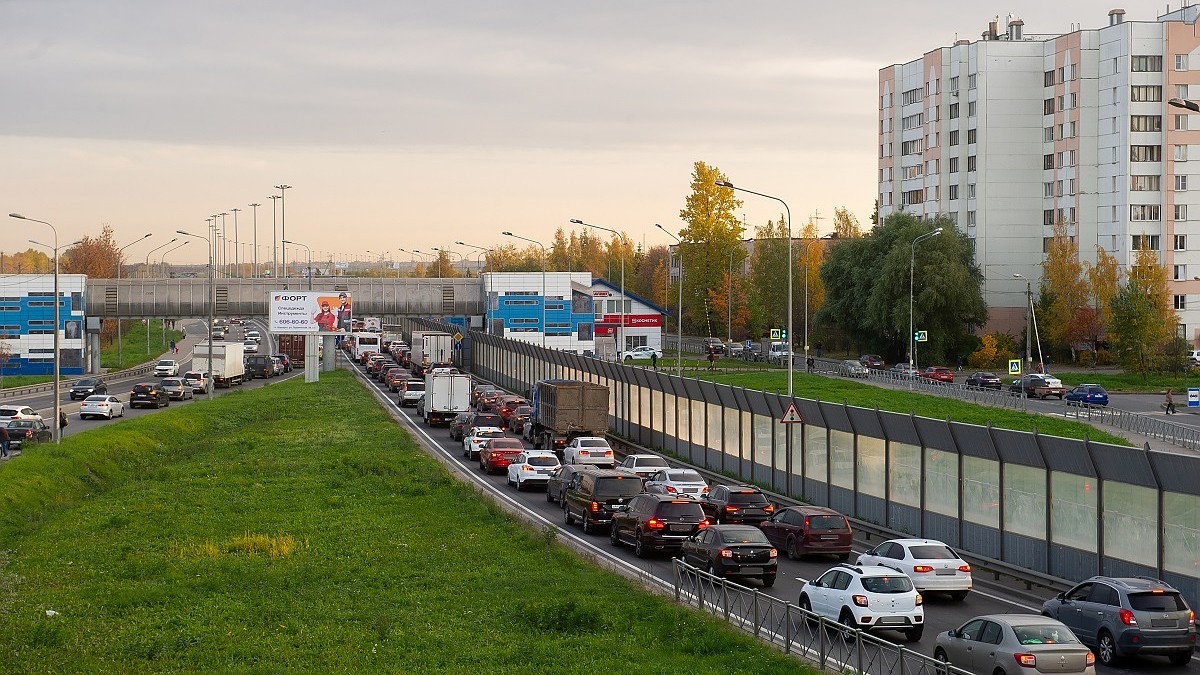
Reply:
x=446, y=395
x=228, y=366
x=565, y=409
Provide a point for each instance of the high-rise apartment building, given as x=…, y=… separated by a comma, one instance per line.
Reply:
x=1014, y=131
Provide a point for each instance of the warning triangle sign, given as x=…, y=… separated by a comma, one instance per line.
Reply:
x=791, y=415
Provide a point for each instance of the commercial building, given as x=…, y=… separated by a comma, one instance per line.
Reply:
x=27, y=323
x=643, y=320
x=1010, y=133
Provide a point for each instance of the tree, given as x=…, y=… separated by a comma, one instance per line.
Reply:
x=650, y=281
x=768, y=297
x=809, y=258
x=875, y=213
x=96, y=257
x=711, y=233
x=1104, y=280
x=1064, y=290
x=1143, y=318
x=29, y=261
x=845, y=225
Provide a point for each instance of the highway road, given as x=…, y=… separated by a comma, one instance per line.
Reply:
x=941, y=613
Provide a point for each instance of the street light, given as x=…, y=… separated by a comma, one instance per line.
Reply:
x=283, y=223
x=120, y=360
x=1030, y=321
x=621, y=347
x=274, y=237
x=679, y=317
x=481, y=250
x=237, y=263
x=254, y=273
x=381, y=257
x=57, y=304
x=1181, y=103
x=306, y=248
x=162, y=261
x=212, y=301
x=534, y=241
x=791, y=334
x=912, y=337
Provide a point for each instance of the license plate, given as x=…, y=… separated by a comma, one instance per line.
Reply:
x=892, y=620
x=681, y=528
x=947, y=572
x=1164, y=623
x=829, y=537
x=751, y=570
x=544, y=471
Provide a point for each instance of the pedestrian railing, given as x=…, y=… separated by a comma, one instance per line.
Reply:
x=824, y=643
x=1138, y=423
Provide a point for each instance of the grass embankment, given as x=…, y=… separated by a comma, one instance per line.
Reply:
x=296, y=528
x=133, y=344
x=14, y=381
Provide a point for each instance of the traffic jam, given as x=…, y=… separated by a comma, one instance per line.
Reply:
x=554, y=445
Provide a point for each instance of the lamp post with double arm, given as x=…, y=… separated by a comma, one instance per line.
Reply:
x=912, y=336
x=679, y=317
x=212, y=300
x=621, y=347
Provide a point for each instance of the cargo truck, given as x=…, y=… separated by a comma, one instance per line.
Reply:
x=430, y=348
x=446, y=395
x=565, y=409
x=228, y=365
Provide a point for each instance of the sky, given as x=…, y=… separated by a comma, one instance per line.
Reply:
x=412, y=125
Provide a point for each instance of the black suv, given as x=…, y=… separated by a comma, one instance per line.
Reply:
x=148, y=394
x=737, y=504
x=259, y=366
x=655, y=523
x=88, y=386
x=592, y=495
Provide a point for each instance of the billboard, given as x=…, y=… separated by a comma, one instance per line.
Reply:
x=299, y=312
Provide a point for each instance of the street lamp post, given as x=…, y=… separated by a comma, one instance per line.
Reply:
x=679, y=317
x=621, y=346
x=237, y=261
x=274, y=237
x=912, y=336
x=306, y=248
x=791, y=335
x=482, y=250
x=212, y=300
x=448, y=251
x=57, y=305
x=147, y=268
x=162, y=261
x=534, y=241
x=283, y=222
x=120, y=360
x=254, y=207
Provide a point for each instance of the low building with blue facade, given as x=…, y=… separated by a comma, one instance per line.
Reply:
x=561, y=318
x=27, y=323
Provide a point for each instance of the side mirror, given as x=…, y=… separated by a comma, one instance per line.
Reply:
x=953, y=632
x=1062, y=596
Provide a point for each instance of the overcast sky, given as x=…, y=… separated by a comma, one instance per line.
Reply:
x=413, y=125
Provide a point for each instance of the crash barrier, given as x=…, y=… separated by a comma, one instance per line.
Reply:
x=1058, y=507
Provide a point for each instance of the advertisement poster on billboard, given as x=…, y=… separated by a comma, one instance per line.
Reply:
x=299, y=312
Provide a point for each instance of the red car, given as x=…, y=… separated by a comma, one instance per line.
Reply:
x=508, y=405
x=939, y=374
x=498, y=453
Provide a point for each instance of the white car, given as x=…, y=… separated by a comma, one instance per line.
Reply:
x=867, y=598
x=589, y=450
x=166, y=368
x=18, y=412
x=253, y=335
x=643, y=352
x=475, y=440
x=411, y=391
x=644, y=465
x=198, y=380
x=931, y=564
x=250, y=347
x=101, y=405
x=532, y=467
x=677, y=483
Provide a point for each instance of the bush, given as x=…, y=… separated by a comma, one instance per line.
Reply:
x=995, y=349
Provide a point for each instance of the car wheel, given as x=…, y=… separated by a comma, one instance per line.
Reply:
x=940, y=655
x=847, y=620
x=109, y=413
x=768, y=580
x=959, y=595
x=612, y=536
x=639, y=547
x=1181, y=658
x=843, y=557
x=792, y=554
x=567, y=517
x=586, y=522
x=914, y=634
x=806, y=606
x=711, y=569
x=1106, y=648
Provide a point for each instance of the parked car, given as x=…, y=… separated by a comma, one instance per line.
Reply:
x=904, y=371
x=198, y=380
x=531, y=467
x=18, y=412
x=677, y=483
x=738, y=504
x=645, y=352
x=473, y=441
x=852, y=368
x=148, y=394
x=1035, y=385
x=1120, y=616
x=589, y=450
x=733, y=551
x=176, y=389
x=984, y=380
x=868, y=598
x=560, y=477
x=593, y=495
x=997, y=643
x=101, y=405
x=809, y=530
x=938, y=374
x=1087, y=395
x=644, y=465
x=87, y=386
x=931, y=564
x=166, y=368
x=456, y=425
x=518, y=418
x=871, y=360
x=655, y=523
x=27, y=431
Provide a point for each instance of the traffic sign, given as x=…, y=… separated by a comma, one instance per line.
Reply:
x=922, y=336
x=1193, y=397
x=782, y=333
x=457, y=337
x=775, y=334
x=1014, y=366
x=791, y=415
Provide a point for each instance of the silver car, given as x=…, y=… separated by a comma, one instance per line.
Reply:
x=1009, y=644
x=677, y=483
x=852, y=368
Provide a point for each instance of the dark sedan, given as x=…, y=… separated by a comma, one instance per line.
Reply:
x=560, y=478
x=1087, y=395
x=733, y=551
x=457, y=424
x=27, y=431
x=88, y=386
x=148, y=394
x=984, y=380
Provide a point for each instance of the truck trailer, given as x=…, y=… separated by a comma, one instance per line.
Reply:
x=446, y=395
x=565, y=409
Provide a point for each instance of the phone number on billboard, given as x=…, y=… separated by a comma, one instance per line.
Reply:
x=294, y=322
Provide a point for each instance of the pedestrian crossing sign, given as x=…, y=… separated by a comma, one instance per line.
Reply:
x=1014, y=366
x=791, y=415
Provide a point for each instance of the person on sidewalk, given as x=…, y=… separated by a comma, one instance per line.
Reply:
x=4, y=440
x=654, y=360
x=1169, y=403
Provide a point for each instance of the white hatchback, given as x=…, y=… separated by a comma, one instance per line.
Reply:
x=101, y=405
x=931, y=564
x=866, y=597
x=532, y=467
x=589, y=450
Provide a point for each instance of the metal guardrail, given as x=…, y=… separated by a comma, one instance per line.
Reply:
x=1138, y=423
x=824, y=643
x=65, y=384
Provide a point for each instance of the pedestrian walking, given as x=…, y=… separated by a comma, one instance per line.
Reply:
x=654, y=360
x=712, y=359
x=810, y=364
x=4, y=439
x=1169, y=403
x=174, y=349
x=62, y=419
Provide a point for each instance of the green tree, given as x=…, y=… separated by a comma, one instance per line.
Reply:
x=1143, y=318
x=768, y=291
x=1066, y=319
x=711, y=234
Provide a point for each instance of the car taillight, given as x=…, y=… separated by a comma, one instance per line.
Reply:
x=526, y=467
x=860, y=600
x=704, y=490
x=1026, y=660
x=769, y=508
x=1090, y=659
x=920, y=600
x=964, y=568
x=702, y=524
x=1127, y=617
x=655, y=524
x=584, y=452
x=726, y=553
x=774, y=553
x=608, y=453
x=922, y=568
x=1191, y=617
x=595, y=507
x=671, y=488
x=732, y=509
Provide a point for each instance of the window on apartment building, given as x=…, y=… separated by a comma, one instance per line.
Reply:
x=912, y=121
x=1141, y=93
x=971, y=163
x=1180, y=152
x=1146, y=122
x=1146, y=64
x=971, y=81
x=882, y=152
x=1181, y=91
x=970, y=136
x=970, y=219
x=1070, y=72
x=913, y=197
x=1180, y=212
x=932, y=87
x=912, y=172
x=1181, y=62
x=954, y=137
x=1145, y=183
x=1145, y=153
x=1179, y=272
x=912, y=147
x=1181, y=183
x=931, y=167
x=1180, y=302
x=953, y=192
x=953, y=111
x=1047, y=217
x=970, y=191
x=1048, y=78
x=1048, y=161
x=1048, y=134
x=1144, y=241
x=932, y=193
x=935, y=113
x=1048, y=189
x=1048, y=106
x=1066, y=158
x=1181, y=242
x=1143, y=212
x=1066, y=101
x=954, y=83
x=933, y=140
x=970, y=108
x=1181, y=122
x=912, y=96
x=953, y=165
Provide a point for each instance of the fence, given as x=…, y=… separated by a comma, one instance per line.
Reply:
x=1059, y=507
x=66, y=382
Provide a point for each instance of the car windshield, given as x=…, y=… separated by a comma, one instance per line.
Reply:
x=415, y=385
x=617, y=486
x=172, y=383
x=1157, y=602
x=507, y=444
x=933, y=552
x=747, y=498
x=85, y=383
x=1043, y=634
x=826, y=522
x=889, y=584
x=542, y=460
x=687, y=476
x=743, y=535
x=166, y=363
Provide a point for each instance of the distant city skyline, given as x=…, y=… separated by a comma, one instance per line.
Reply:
x=412, y=125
